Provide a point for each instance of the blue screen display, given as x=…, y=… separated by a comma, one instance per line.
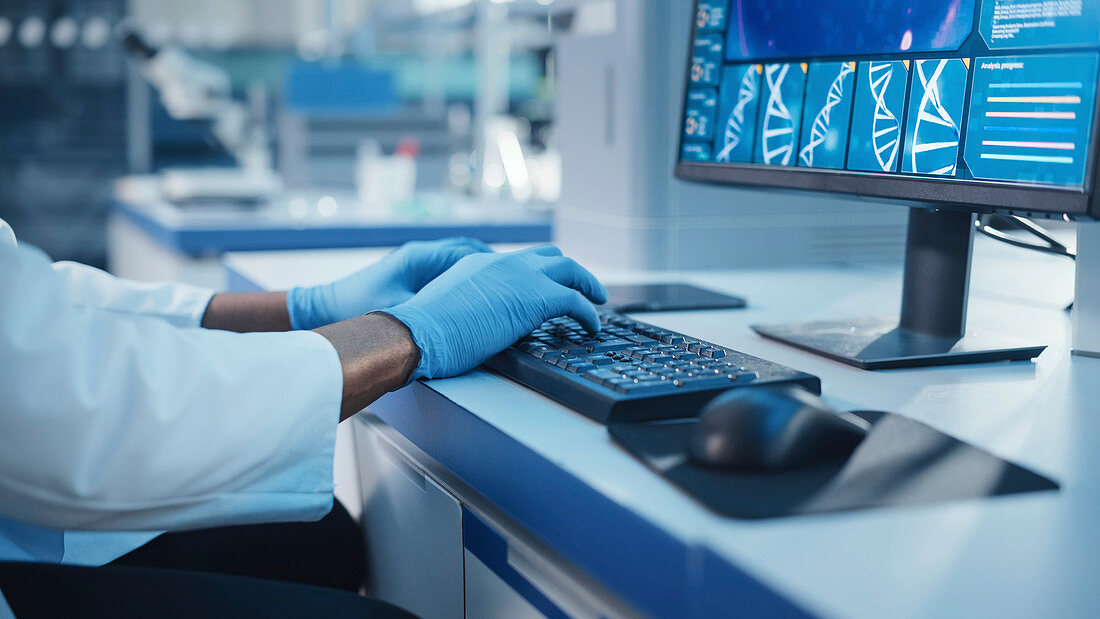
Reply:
x=762, y=29
x=706, y=60
x=879, y=109
x=965, y=90
x=780, y=114
x=699, y=120
x=933, y=127
x=739, y=99
x=1031, y=117
x=830, y=90
x=1013, y=24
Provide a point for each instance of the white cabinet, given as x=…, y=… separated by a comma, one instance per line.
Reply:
x=436, y=548
x=413, y=530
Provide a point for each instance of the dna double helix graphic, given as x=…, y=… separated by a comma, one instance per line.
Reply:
x=735, y=124
x=933, y=119
x=820, y=128
x=885, y=128
x=779, y=135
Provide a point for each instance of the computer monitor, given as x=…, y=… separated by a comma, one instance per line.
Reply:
x=947, y=106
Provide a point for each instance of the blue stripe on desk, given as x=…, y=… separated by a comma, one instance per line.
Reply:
x=492, y=549
x=204, y=241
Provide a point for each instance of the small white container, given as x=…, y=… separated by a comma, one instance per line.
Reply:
x=385, y=182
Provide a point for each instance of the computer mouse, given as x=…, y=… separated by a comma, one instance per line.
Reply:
x=769, y=429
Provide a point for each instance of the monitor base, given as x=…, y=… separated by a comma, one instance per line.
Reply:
x=879, y=344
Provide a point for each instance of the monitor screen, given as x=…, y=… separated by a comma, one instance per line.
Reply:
x=986, y=103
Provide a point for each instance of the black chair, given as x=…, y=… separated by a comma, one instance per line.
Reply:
x=46, y=590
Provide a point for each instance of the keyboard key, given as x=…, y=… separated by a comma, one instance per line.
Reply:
x=564, y=361
x=672, y=338
x=612, y=345
x=549, y=355
x=647, y=386
x=620, y=384
x=714, y=353
x=602, y=377
x=580, y=367
x=706, y=372
x=658, y=358
x=704, y=382
x=640, y=339
x=599, y=359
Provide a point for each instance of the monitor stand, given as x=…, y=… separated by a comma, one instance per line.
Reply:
x=932, y=329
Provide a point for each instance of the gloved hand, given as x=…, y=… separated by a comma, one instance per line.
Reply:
x=486, y=302
x=393, y=280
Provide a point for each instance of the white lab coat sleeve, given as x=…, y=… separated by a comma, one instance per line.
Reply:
x=129, y=423
x=178, y=304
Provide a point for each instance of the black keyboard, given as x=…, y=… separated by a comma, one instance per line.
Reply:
x=632, y=371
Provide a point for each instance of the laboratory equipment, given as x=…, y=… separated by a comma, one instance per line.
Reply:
x=943, y=106
x=633, y=371
x=190, y=90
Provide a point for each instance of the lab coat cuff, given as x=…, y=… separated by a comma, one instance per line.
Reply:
x=320, y=427
x=202, y=299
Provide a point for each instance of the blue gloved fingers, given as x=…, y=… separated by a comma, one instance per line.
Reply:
x=477, y=244
x=391, y=281
x=567, y=272
x=543, y=250
x=465, y=247
x=571, y=303
x=413, y=247
x=451, y=243
x=423, y=261
x=449, y=253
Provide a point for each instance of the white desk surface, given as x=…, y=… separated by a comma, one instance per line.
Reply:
x=1027, y=555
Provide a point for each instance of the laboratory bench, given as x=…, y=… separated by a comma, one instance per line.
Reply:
x=152, y=239
x=481, y=497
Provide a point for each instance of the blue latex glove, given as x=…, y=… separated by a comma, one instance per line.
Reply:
x=486, y=302
x=392, y=280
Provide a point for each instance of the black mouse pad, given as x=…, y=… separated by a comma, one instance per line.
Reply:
x=900, y=462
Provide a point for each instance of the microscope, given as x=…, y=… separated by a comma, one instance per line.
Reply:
x=194, y=90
